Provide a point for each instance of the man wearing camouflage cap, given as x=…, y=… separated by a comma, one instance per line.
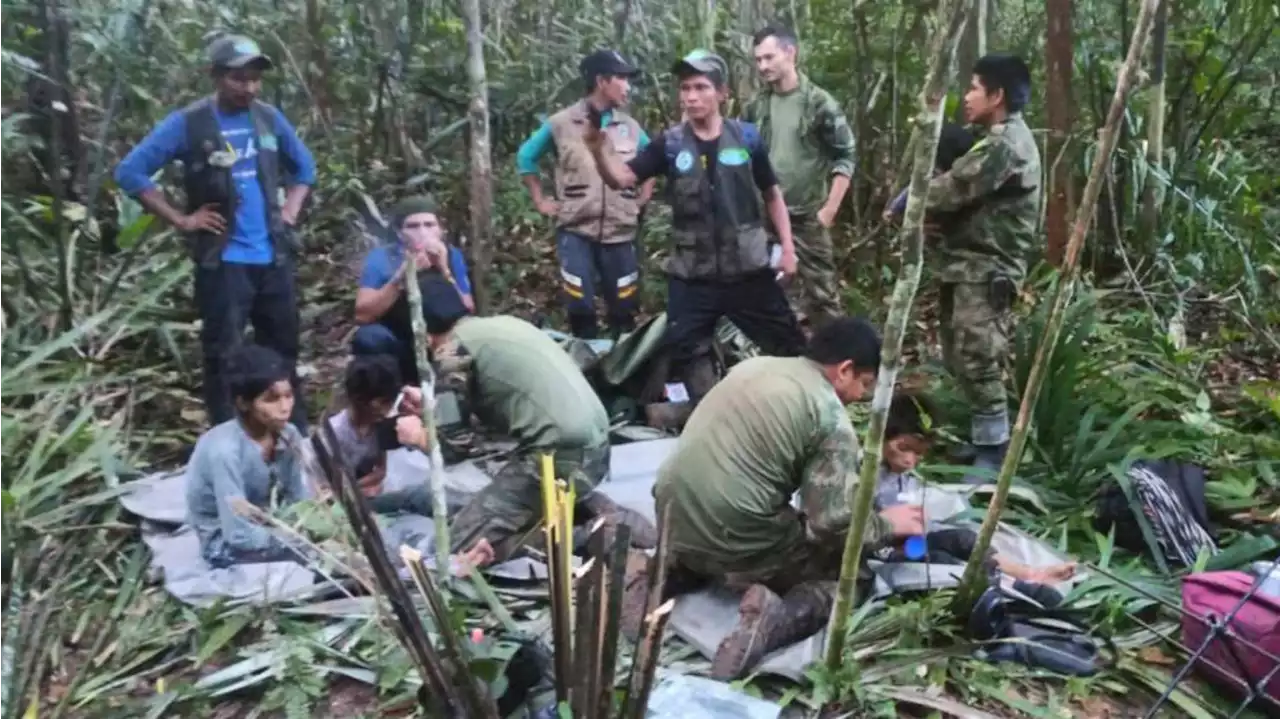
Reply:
x=720, y=184
x=813, y=151
x=236, y=152
x=382, y=305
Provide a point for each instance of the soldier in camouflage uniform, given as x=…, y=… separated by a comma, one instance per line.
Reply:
x=519, y=383
x=773, y=427
x=991, y=201
x=812, y=148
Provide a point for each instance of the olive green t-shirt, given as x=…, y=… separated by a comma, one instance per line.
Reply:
x=772, y=427
x=526, y=386
x=802, y=169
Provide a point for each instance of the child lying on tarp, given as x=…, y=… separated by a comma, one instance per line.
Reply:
x=907, y=437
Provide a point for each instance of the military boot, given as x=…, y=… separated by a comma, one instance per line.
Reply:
x=768, y=622
x=987, y=460
x=643, y=534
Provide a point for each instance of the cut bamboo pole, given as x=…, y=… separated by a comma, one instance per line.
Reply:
x=972, y=584
x=646, y=662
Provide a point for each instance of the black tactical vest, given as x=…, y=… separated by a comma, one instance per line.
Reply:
x=716, y=226
x=208, y=182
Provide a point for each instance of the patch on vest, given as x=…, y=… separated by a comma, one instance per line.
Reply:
x=734, y=156
x=684, y=161
x=267, y=142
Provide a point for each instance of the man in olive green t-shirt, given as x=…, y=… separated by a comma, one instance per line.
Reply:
x=812, y=147
x=773, y=427
x=519, y=383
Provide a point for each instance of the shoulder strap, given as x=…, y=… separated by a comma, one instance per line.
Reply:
x=264, y=120
x=202, y=126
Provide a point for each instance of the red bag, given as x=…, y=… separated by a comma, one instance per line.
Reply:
x=1232, y=665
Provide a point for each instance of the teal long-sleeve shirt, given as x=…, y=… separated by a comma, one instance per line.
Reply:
x=531, y=152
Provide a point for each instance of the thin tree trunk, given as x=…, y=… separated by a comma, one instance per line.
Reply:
x=1151, y=194
x=973, y=582
x=480, y=187
x=1060, y=62
x=932, y=104
x=318, y=72
x=973, y=45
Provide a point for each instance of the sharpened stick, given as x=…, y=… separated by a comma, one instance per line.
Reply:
x=611, y=600
x=646, y=662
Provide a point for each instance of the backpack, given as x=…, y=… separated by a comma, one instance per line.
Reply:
x=1234, y=658
x=1041, y=632
x=1159, y=508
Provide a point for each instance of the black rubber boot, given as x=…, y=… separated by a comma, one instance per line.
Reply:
x=987, y=460
x=583, y=326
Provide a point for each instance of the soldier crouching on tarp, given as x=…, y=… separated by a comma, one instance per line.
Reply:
x=773, y=427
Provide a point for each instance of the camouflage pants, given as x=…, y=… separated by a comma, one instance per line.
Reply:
x=512, y=505
x=815, y=291
x=795, y=563
x=975, y=346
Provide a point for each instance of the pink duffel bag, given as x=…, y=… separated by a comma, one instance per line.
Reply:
x=1233, y=666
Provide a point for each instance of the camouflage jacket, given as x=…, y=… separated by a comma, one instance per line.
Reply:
x=807, y=150
x=998, y=183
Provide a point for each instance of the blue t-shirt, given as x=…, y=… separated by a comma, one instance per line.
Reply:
x=382, y=262
x=250, y=241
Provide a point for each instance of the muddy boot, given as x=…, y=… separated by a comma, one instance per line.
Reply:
x=767, y=623
x=668, y=416
x=635, y=589
x=643, y=534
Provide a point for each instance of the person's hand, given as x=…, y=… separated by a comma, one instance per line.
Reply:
x=787, y=264
x=207, y=219
x=289, y=215
x=411, y=432
x=592, y=136
x=827, y=215
x=548, y=207
x=469, y=302
x=371, y=483
x=907, y=520
x=411, y=405
x=481, y=554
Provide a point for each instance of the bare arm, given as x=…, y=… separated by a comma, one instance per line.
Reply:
x=613, y=170
x=157, y=204
x=646, y=190
x=293, y=199
x=372, y=304
x=533, y=183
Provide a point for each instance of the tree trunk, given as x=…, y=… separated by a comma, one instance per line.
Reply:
x=318, y=72
x=932, y=105
x=480, y=188
x=1151, y=194
x=1060, y=62
x=973, y=45
x=973, y=582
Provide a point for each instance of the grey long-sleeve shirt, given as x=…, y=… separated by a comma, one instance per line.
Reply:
x=227, y=464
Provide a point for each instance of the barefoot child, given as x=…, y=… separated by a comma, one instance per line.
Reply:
x=907, y=436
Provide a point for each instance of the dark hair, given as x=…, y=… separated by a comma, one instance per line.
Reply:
x=786, y=37
x=1000, y=71
x=953, y=143
x=252, y=369
x=372, y=377
x=441, y=304
x=910, y=414
x=846, y=338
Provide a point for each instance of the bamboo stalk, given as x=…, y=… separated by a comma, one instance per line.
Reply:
x=611, y=600
x=559, y=580
x=427, y=382
x=928, y=126
x=646, y=662
x=973, y=582
x=587, y=589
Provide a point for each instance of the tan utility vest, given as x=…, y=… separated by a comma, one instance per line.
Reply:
x=584, y=198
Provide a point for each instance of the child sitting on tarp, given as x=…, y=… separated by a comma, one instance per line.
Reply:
x=907, y=437
x=249, y=459
x=365, y=434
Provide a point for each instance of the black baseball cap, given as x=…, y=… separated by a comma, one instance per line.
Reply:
x=237, y=51
x=606, y=62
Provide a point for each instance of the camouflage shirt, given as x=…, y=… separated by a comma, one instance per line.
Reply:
x=998, y=183
x=809, y=140
x=772, y=427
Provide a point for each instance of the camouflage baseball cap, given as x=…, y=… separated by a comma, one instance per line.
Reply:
x=237, y=51
x=703, y=62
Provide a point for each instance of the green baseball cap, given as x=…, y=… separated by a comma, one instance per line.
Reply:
x=703, y=62
x=237, y=51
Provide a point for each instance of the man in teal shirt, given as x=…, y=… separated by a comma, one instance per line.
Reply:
x=595, y=225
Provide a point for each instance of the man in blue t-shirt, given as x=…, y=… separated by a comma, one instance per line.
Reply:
x=236, y=153
x=382, y=306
